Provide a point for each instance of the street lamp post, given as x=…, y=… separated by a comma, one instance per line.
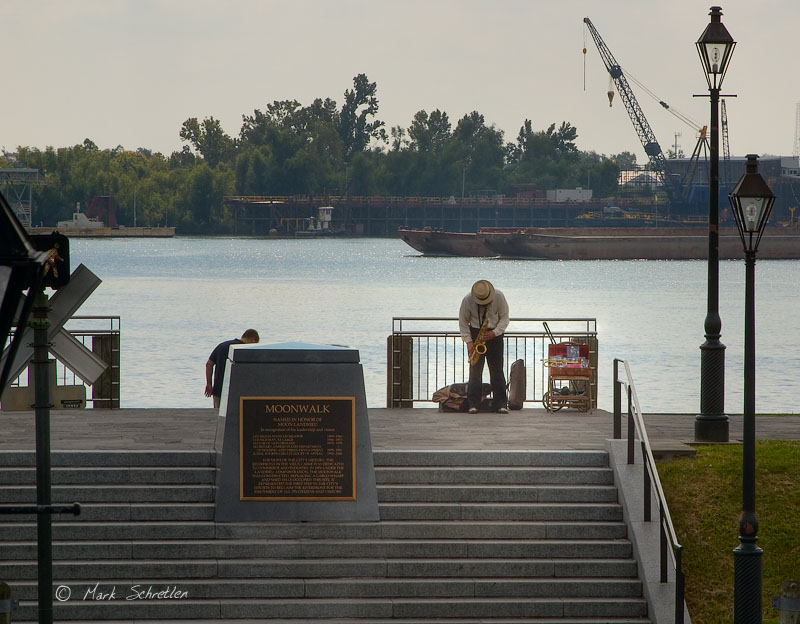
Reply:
x=751, y=201
x=715, y=48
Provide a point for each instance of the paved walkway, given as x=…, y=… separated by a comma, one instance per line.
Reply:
x=391, y=429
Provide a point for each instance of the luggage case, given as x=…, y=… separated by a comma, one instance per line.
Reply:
x=516, y=385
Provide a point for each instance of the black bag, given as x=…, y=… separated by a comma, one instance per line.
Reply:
x=453, y=398
x=516, y=385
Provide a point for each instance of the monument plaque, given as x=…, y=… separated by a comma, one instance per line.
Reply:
x=297, y=448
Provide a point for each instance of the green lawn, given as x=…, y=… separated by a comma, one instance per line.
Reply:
x=705, y=499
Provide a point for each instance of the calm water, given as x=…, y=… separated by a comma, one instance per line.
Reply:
x=179, y=297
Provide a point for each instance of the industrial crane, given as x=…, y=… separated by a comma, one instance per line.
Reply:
x=726, y=150
x=676, y=191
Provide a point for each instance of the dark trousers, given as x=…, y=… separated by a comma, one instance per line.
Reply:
x=494, y=357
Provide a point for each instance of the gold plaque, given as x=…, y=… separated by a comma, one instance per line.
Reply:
x=297, y=448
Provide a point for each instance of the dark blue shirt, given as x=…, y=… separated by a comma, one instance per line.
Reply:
x=219, y=356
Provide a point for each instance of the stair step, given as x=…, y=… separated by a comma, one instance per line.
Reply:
x=95, y=531
x=497, y=529
x=490, y=458
x=145, y=512
x=108, y=459
x=326, y=608
x=521, y=475
x=143, y=493
x=507, y=511
x=149, y=475
x=496, y=493
x=312, y=549
x=195, y=589
x=403, y=529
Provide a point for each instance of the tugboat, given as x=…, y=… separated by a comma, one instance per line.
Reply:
x=80, y=222
x=319, y=225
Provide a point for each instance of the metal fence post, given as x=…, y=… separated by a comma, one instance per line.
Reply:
x=788, y=603
x=617, y=402
x=105, y=391
x=400, y=373
x=631, y=427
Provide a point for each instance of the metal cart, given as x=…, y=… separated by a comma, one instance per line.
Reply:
x=569, y=377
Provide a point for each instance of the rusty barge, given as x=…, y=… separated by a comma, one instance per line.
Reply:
x=654, y=243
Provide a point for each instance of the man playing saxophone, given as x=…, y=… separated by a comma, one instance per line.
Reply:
x=482, y=320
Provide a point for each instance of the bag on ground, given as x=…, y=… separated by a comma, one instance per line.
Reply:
x=453, y=398
x=516, y=385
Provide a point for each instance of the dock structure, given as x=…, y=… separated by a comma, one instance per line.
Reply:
x=382, y=216
x=16, y=185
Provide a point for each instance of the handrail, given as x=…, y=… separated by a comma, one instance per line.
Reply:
x=636, y=426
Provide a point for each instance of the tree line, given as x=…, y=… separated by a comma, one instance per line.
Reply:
x=319, y=149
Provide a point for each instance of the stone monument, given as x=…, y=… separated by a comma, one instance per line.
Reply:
x=296, y=444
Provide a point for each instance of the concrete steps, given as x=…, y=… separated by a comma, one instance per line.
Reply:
x=463, y=537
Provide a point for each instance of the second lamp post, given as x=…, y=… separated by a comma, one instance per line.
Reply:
x=751, y=202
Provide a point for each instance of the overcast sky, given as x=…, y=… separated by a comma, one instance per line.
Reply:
x=129, y=72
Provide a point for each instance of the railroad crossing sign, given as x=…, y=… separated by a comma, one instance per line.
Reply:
x=71, y=352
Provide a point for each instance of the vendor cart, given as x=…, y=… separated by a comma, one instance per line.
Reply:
x=569, y=377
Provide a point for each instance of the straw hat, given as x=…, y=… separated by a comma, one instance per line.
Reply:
x=482, y=292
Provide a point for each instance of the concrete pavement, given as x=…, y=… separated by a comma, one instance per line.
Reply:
x=391, y=429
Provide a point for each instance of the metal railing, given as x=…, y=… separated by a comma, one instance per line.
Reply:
x=425, y=354
x=670, y=548
x=101, y=335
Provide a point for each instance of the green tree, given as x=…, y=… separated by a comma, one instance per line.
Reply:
x=429, y=133
x=476, y=155
x=354, y=125
x=625, y=160
x=209, y=139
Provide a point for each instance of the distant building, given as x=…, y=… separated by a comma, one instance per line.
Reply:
x=570, y=195
x=638, y=178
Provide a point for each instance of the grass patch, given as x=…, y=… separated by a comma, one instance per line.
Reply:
x=705, y=498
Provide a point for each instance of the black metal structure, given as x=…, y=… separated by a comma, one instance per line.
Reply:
x=726, y=149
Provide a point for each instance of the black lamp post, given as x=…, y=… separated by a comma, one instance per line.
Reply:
x=715, y=48
x=751, y=201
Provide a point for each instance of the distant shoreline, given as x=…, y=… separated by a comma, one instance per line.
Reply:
x=107, y=232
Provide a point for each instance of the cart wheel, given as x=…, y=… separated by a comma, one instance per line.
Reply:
x=584, y=406
x=548, y=404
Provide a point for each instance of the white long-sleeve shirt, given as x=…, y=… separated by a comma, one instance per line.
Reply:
x=472, y=315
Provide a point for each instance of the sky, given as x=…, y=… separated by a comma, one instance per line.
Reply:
x=130, y=72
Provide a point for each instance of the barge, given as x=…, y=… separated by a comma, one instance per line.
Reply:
x=642, y=243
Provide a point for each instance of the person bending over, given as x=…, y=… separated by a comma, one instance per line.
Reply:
x=215, y=366
x=484, y=307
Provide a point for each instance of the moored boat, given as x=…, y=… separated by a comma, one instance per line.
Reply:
x=657, y=243
x=432, y=242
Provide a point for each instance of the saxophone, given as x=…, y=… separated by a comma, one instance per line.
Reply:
x=480, y=343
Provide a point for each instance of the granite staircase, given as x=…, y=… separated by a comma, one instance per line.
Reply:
x=464, y=537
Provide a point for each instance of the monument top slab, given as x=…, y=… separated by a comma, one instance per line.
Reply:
x=288, y=352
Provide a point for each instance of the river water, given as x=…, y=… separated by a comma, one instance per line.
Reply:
x=177, y=298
